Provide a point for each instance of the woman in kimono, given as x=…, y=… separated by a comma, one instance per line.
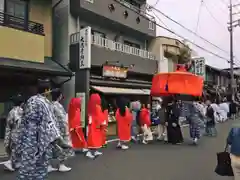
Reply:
x=75, y=127
x=145, y=123
x=37, y=136
x=62, y=124
x=104, y=127
x=124, y=121
x=13, y=121
x=174, y=133
x=96, y=121
x=195, y=119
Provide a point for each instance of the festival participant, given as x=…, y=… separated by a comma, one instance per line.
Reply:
x=135, y=108
x=104, y=127
x=75, y=127
x=158, y=117
x=195, y=119
x=224, y=109
x=174, y=133
x=210, y=124
x=124, y=120
x=145, y=123
x=37, y=135
x=62, y=124
x=13, y=121
x=96, y=121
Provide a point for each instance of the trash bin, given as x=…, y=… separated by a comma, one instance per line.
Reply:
x=3, y=121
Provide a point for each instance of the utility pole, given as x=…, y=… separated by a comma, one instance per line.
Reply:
x=232, y=24
x=231, y=47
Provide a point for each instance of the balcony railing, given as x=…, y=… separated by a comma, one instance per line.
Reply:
x=21, y=24
x=114, y=46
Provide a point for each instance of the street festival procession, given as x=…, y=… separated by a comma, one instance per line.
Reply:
x=39, y=130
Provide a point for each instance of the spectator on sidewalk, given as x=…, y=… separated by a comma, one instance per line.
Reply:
x=233, y=141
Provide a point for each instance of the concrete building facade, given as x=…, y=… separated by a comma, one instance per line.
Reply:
x=121, y=33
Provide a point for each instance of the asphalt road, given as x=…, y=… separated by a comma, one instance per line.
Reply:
x=155, y=161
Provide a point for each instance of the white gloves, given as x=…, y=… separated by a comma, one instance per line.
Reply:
x=90, y=120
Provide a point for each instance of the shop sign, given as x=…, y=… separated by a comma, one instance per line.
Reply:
x=114, y=71
x=82, y=97
x=85, y=48
x=199, y=66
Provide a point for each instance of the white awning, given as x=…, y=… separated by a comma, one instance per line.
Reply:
x=146, y=91
x=113, y=90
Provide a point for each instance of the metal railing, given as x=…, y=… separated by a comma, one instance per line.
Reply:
x=114, y=46
x=21, y=24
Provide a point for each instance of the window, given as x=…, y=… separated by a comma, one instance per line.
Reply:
x=98, y=33
x=132, y=44
x=91, y=1
x=134, y=4
x=16, y=13
x=151, y=25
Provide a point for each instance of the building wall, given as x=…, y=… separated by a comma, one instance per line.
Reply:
x=112, y=35
x=64, y=25
x=2, y=5
x=40, y=11
x=100, y=10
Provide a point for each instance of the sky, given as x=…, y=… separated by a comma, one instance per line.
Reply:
x=213, y=17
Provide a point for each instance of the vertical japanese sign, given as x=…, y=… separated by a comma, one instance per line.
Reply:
x=85, y=48
x=199, y=66
x=82, y=96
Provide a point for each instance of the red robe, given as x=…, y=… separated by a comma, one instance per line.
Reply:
x=95, y=122
x=145, y=117
x=124, y=125
x=104, y=127
x=74, y=121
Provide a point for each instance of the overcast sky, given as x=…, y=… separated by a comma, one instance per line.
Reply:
x=212, y=26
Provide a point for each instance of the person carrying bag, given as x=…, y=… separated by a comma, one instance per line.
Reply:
x=224, y=167
x=233, y=157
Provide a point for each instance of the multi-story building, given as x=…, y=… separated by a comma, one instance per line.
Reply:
x=26, y=47
x=121, y=31
x=171, y=52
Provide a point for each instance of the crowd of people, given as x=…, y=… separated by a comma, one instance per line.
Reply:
x=39, y=130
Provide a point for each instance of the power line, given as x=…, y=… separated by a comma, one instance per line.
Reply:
x=178, y=35
x=211, y=14
x=156, y=3
x=198, y=17
x=160, y=20
x=189, y=30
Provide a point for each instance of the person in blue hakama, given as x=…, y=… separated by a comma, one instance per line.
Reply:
x=38, y=134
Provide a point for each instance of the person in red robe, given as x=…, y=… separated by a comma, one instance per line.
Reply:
x=75, y=128
x=124, y=119
x=104, y=129
x=96, y=121
x=145, y=123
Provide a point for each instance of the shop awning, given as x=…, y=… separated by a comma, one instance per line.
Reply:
x=113, y=90
x=49, y=67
